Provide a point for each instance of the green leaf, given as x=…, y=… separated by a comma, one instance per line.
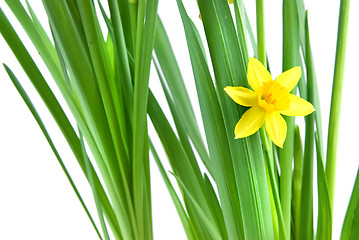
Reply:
x=338, y=80
x=93, y=187
x=215, y=234
x=242, y=23
x=215, y=205
x=101, y=65
x=55, y=109
x=174, y=80
x=121, y=55
x=230, y=70
x=35, y=114
x=146, y=23
x=291, y=58
x=306, y=219
x=297, y=182
x=215, y=131
x=179, y=122
x=324, y=226
x=176, y=201
x=350, y=230
x=182, y=167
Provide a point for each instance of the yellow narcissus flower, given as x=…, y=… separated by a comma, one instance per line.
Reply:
x=268, y=100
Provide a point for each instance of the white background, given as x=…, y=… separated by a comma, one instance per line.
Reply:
x=37, y=202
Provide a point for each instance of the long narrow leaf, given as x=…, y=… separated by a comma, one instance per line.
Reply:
x=338, y=81
x=35, y=114
x=230, y=70
x=324, y=229
x=350, y=230
x=176, y=201
x=215, y=131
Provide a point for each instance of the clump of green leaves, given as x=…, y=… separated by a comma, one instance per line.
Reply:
x=255, y=193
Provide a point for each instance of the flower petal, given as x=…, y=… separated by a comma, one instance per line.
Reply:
x=290, y=78
x=257, y=73
x=298, y=107
x=242, y=96
x=276, y=128
x=250, y=122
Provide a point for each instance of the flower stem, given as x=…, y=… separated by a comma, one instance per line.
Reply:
x=277, y=213
x=336, y=97
x=290, y=59
x=261, y=31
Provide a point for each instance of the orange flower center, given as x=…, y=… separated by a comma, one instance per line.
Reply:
x=273, y=96
x=269, y=99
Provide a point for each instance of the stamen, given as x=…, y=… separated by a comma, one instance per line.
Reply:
x=269, y=99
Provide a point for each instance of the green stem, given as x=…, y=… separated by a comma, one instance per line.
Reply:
x=290, y=59
x=277, y=213
x=306, y=207
x=268, y=150
x=261, y=31
x=336, y=97
x=297, y=182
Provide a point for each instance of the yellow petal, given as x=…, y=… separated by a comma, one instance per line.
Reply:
x=290, y=78
x=250, y=122
x=242, y=96
x=298, y=107
x=257, y=73
x=230, y=1
x=276, y=128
